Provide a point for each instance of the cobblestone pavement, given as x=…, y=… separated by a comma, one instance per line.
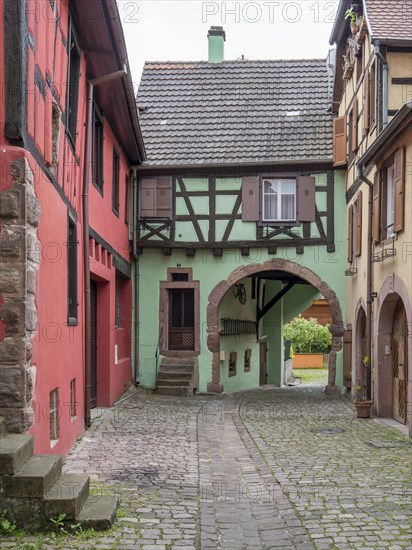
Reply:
x=271, y=468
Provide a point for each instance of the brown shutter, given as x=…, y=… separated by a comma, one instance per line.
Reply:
x=350, y=235
x=163, y=197
x=358, y=203
x=306, y=199
x=147, y=198
x=355, y=125
x=376, y=218
x=339, y=141
x=366, y=120
x=399, y=189
x=372, y=96
x=250, y=199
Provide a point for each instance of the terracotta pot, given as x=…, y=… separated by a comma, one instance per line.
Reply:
x=363, y=409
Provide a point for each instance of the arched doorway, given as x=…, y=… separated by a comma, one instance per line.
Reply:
x=392, y=353
x=360, y=347
x=220, y=290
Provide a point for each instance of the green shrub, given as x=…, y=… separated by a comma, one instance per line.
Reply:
x=307, y=336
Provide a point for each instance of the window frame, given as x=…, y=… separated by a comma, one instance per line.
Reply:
x=98, y=150
x=277, y=221
x=72, y=278
x=54, y=427
x=73, y=83
x=115, y=182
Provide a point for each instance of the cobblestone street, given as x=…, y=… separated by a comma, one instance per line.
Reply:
x=271, y=468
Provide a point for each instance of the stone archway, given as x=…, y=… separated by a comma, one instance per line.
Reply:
x=360, y=342
x=215, y=297
x=392, y=292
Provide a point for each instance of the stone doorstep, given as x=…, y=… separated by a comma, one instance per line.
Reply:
x=98, y=512
x=15, y=450
x=35, y=478
x=67, y=496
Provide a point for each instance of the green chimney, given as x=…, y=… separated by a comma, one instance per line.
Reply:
x=216, y=37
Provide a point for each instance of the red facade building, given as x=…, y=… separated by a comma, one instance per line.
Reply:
x=69, y=139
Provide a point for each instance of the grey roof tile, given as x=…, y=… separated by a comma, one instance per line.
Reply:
x=235, y=112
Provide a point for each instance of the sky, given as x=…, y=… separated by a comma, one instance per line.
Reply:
x=176, y=30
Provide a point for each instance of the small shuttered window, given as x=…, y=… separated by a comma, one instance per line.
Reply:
x=399, y=190
x=339, y=141
x=376, y=221
x=156, y=198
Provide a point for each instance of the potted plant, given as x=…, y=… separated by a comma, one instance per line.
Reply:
x=361, y=23
x=362, y=403
x=350, y=14
x=348, y=65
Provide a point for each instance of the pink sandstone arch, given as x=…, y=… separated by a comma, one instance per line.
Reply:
x=215, y=297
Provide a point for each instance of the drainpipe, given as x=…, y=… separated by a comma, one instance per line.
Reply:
x=369, y=275
x=385, y=100
x=136, y=282
x=86, y=259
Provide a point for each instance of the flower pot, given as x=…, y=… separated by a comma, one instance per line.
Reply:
x=363, y=408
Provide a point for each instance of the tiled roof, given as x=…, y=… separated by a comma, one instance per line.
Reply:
x=195, y=113
x=390, y=19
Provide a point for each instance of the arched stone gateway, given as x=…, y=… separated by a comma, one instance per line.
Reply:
x=213, y=328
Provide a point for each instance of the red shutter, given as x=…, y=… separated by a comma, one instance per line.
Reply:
x=250, y=199
x=399, y=189
x=350, y=234
x=376, y=218
x=355, y=125
x=147, y=198
x=306, y=199
x=163, y=197
x=339, y=141
x=358, y=203
x=366, y=103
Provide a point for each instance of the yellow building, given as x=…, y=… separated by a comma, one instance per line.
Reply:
x=372, y=97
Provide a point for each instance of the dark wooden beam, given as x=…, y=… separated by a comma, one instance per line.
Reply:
x=265, y=309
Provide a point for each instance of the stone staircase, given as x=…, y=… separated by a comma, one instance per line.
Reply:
x=33, y=489
x=177, y=376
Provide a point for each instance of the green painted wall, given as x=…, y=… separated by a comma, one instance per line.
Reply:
x=210, y=270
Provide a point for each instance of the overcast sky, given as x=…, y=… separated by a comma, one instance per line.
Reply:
x=176, y=30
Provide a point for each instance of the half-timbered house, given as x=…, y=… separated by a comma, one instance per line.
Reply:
x=373, y=146
x=240, y=218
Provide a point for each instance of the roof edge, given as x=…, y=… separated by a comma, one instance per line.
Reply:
x=191, y=166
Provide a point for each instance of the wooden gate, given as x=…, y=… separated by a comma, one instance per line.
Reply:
x=399, y=361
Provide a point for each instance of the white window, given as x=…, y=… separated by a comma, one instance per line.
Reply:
x=279, y=200
x=390, y=202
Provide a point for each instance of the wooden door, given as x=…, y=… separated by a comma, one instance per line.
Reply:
x=263, y=353
x=182, y=319
x=399, y=363
x=93, y=336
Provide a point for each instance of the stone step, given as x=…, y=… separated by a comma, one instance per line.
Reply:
x=67, y=496
x=172, y=390
x=174, y=382
x=169, y=374
x=35, y=478
x=185, y=362
x=2, y=426
x=15, y=450
x=98, y=512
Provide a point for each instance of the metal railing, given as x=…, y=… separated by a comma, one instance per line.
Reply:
x=237, y=326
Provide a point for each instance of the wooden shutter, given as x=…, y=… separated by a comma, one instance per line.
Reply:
x=250, y=199
x=163, y=197
x=339, y=141
x=358, y=219
x=306, y=199
x=376, y=218
x=366, y=120
x=355, y=125
x=350, y=235
x=399, y=190
x=147, y=198
x=372, y=96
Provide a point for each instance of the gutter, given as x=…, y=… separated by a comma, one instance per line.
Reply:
x=200, y=164
x=385, y=84
x=135, y=281
x=369, y=276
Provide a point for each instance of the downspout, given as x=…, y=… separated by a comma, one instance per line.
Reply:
x=86, y=259
x=385, y=99
x=368, y=286
x=136, y=282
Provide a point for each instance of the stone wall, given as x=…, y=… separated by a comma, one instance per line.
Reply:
x=19, y=262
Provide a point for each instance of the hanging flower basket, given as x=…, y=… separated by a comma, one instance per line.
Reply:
x=362, y=30
x=348, y=66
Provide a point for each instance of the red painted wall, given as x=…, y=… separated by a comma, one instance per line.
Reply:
x=58, y=350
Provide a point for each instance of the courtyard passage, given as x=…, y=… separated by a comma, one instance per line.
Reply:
x=270, y=468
